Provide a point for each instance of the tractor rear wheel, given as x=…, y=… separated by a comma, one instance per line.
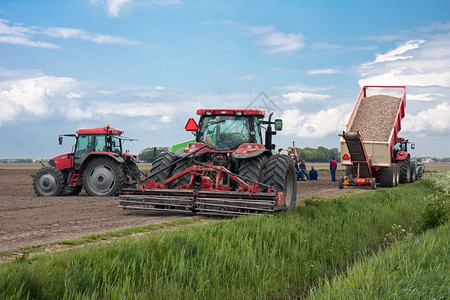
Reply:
x=252, y=169
x=162, y=161
x=413, y=170
x=280, y=173
x=103, y=177
x=388, y=177
x=405, y=171
x=48, y=181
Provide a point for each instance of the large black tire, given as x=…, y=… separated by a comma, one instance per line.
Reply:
x=397, y=174
x=405, y=171
x=162, y=161
x=179, y=167
x=48, y=181
x=280, y=173
x=103, y=176
x=253, y=169
x=388, y=177
x=413, y=170
x=132, y=171
x=72, y=190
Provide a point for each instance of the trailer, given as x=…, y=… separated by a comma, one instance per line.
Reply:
x=370, y=147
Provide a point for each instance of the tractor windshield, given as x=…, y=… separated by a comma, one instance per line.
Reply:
x=226, y=132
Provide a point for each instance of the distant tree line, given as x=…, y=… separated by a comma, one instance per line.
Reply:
x=149, y=154
x=320, y=154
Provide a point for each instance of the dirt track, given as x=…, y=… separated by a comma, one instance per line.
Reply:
x=28, y=220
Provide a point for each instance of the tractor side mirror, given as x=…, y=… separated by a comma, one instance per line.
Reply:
x=413, y=146
x=60, y=139
x=278, y=124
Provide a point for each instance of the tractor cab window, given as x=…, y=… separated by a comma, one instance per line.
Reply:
x=257, y=128
x=100, y=144
x=115, y=144
x=226, y=132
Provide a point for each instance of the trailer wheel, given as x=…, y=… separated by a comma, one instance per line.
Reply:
x=341, y=183
x=397, y=174
x=388, y=177
x=280, y=173
x=405, y=171
x=162, y=161
x=252, y=168
x=102, y=177
x=180, y=167
x=72, y=190
x=373, y=184
x=48, y=181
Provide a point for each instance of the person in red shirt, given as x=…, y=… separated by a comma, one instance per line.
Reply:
x=333, y=167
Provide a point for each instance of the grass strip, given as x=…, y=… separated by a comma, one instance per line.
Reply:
x=252, y=257
x=416, y=268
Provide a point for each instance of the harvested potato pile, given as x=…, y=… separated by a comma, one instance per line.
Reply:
x=375, y=117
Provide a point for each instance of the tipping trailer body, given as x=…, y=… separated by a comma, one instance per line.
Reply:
x=368, y=141
x=379, y=153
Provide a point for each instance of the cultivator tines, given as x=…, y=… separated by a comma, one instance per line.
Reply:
x=181, y=201
x=223, y=203
x=234, y=203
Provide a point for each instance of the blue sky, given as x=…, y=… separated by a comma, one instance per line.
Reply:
x=146, y=66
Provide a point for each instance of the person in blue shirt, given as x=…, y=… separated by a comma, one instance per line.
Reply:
x=313, y=174
x=302, y=167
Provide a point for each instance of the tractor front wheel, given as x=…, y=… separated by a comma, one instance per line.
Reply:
x=102, y=177
x=405, y=172
x=251, y=169
x=160, y=167
x=280, y=173
x=48, y=181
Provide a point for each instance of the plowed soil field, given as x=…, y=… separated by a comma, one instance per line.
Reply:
x=29, y=220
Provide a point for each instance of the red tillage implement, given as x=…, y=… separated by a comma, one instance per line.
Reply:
x=227, y=171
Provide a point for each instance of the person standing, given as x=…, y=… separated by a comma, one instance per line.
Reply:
x=333, y=167
x=303, y=169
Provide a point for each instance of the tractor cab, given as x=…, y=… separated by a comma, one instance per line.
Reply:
x=402, y=145
x=227, y=129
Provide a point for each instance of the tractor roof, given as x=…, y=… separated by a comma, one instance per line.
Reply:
x=227, y=111
x=100, y=130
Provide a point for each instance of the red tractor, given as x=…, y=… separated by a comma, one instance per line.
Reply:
x=228, y=170
x=97, y=163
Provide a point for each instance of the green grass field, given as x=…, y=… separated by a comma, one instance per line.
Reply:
x=260, y=257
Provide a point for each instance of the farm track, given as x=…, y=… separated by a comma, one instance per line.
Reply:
x=28, y=220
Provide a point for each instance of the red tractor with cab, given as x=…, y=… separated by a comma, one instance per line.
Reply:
x=97, y=162
x=228, y=170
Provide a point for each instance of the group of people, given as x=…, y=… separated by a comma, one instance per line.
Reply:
x=303, y=174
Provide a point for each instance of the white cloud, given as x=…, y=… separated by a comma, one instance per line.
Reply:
x=276, y=41
x=396, y=54
x=114, y=6
x=435, y=119
x=322, y=71
x=26, y=36
x=37, y=97
x=424, y=97
x=315, y=125
x=298, y=97
x=415, y=63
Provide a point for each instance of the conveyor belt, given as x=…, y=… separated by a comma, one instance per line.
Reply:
x=358, y=154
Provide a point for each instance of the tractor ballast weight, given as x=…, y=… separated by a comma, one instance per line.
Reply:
x=227, y=171
x=97, y=163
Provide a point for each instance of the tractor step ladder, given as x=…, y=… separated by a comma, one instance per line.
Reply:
x=358, y=156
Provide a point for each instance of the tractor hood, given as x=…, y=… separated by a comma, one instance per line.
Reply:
x=62, y=161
